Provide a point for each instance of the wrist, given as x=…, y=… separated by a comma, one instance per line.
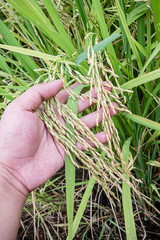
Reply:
x=13, y=185
x=12, y=199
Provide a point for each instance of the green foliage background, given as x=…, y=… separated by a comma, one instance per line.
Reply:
x=34, y=35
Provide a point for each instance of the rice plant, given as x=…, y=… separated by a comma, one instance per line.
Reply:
x=112, y=48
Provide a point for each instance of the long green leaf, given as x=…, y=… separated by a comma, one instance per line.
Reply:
x=141, y=34
x=97, y=47
x=26, y=61
x=126, y=198
x=82, y=206
x=6, y=94
x=34, y=53
x=143, y=121
x=84, y=202
x=99, y=15
x=156, y=11
x=32, y=11
x=70, y=168
x=142, y=79
x=4, y=65
x=128, y=34
x=152, y=56
x=58, y=24
x=81, y=9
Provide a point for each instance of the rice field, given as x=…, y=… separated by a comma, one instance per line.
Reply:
x=108, y=190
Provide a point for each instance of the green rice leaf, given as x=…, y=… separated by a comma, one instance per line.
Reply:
x=143, y=121
x=126, y=197
x=152, y=56
x=141, y=34
x=34, y=53
x=23, y=88
x=83, y=205
x=2, y=106
x=128, y=34
x=33, y=13
x=154, y=163
x=70, y=168
x=26, y=61
x=97, y=47
x=155, y=189
x=156, y=11
x=81, y=9
x=142, y=79
x=99, y=15
x=4, y=65
x=136, y=13
x=6, y=94
x=58, y=24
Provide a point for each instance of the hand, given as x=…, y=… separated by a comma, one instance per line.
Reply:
x=28, y=151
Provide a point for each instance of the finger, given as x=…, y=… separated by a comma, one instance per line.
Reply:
x=63, y=95
x=32, y=98
x=90, y=119
x=84, y=104
x=100, y=136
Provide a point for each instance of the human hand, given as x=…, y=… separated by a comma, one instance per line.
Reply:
x=28, y=151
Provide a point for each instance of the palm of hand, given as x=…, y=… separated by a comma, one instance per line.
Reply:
x=33, y=155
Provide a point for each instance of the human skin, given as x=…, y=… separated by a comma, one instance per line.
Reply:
x=29, y=155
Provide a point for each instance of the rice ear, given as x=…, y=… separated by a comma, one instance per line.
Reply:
x=111, y=167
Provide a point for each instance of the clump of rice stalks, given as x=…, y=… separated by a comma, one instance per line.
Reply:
x=111, y=165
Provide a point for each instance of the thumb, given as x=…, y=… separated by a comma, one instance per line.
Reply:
x=33, y=97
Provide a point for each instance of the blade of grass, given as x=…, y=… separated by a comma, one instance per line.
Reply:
x=82, y=13
x=34, y=53
x=156, y=11
x=33, y=12
x=154, y=163
x=126, y=197
x=26, y=61
x=6, y=94
x=82, y=205
x=128, y=34
x=142, y=79
x=19, y=68
x=141, y=49
x=141, y=35
x=152, y=56
x=102, y=231
x=4, y=65
x=84, y=202
x=97, y=47
x=148, y=32
x=124, y=38
x=25, y=32
x=57, y=22
x=143, y=121
x=24, y=88
x=98, y=13
x=152, y=139
x=155, y=189
x=150, y=99
x=70, y=168
x=137, y=13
